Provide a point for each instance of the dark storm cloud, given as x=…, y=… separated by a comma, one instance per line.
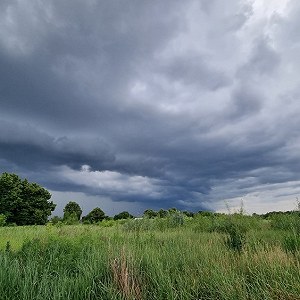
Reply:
x=30, y=148
x=160, y=103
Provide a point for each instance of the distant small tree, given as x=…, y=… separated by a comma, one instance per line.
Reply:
x=149, y=213
x=72, y=211
x=173, y=210
x=188, y=213
x=205, y=213
x=95, y=216
x=123, y=215
x=162, y=213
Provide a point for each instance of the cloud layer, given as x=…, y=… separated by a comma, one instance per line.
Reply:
x=161, y=103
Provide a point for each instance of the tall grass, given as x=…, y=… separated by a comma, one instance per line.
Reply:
x=149, y=259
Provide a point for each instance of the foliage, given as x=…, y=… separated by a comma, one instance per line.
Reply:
x=72, y=210
x=56, y=219
x=205, y=213
x=285, y=221
x=173, y=210
x=22, y=202
x=149, y=213
x=2, y=220
x=162, y=213
x=235, y=227
x=188, y=213
x=173, y=220
x=95, y=216
x=137, y=225
x=236, y=237
x=123, y=215
x=176, y=219
x=291, y=243
x=71, y=218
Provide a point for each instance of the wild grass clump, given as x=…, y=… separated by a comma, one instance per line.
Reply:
x=124, y=277
x=138, y=225
x=291, y=243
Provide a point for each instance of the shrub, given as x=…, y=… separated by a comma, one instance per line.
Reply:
x=56, y=219
x=175, y=219
x=71, y=219
x=236, y=237
x=235, y=226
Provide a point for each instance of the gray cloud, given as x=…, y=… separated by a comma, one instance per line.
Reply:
x=165, y=103
x=193, y=69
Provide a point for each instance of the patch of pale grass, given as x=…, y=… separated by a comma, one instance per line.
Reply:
x=124, y=277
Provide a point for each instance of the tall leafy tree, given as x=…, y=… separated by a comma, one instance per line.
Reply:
x=95, y=216
x=22, y=202
x=72, y=210
x=123, y=215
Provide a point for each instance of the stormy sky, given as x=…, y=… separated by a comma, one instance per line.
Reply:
x=137, y=104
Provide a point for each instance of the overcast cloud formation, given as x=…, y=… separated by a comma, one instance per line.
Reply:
x=129, y=105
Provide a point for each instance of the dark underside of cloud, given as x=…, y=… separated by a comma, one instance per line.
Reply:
x=161, y=103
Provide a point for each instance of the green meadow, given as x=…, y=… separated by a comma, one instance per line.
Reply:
x=205, y=257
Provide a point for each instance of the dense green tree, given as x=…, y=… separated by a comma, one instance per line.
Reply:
x=123, y=215
x=188, y=213
x=162, y=213
x=95, y=216
x=72, y=211
x=22, y=202
x=149, y=213
x=205, y=213
x=173, y=210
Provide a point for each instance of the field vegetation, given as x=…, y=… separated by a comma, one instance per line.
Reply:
x=172, y=256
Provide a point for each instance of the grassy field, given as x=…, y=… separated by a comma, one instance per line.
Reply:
x=228, y=257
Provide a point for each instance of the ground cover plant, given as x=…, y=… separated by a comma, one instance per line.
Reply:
x=174, y=257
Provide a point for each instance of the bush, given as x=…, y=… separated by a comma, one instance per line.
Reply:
x=175, y=219
x=203, y=223
x=55, y=220
x=236, y=236
x=71, y=219
x=108, y=223
x=235, y=227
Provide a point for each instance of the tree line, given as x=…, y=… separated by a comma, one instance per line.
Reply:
x=25, y=203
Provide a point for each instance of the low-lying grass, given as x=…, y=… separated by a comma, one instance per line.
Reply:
x=184, y=258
